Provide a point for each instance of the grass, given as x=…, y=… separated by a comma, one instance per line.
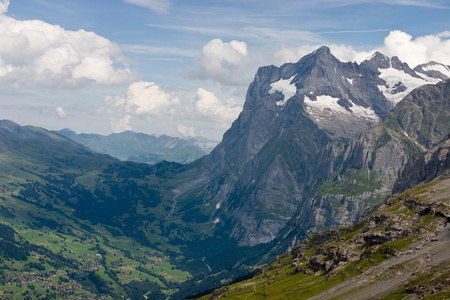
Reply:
x=81, y=247
x=351, y=182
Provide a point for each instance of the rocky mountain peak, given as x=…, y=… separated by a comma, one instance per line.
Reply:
x=323, y=53
x=378, y=60
x=266, y=163
x=323, y=50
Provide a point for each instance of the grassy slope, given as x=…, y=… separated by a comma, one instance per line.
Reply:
x=123, y=258
x=398, y=245
x=55, y=194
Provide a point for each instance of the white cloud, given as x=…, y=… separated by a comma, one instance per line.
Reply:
x=122, y=124
x=186, y=131
x=289, y=54
x=208, y=105
x=225, y=63
x=60, y=112
x=35, y=52
x=159, y=6
x=419, y=50
x=144, y=98
x=146, y=107
x=445, y=34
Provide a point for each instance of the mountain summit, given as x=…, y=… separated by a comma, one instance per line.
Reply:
x=299, y=124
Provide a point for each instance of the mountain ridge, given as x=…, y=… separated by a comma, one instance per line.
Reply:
x=331, y=107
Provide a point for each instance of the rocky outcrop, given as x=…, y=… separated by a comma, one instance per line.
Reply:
x=390, y=223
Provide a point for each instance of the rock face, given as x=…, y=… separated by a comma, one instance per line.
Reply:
x=363, y=172
x=425, y=167
x=307, y=147
x=402, y=248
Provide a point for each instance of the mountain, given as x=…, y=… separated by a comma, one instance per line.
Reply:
x=318, y=145
x=399, y=252
x=309, y=151
x=140, y=147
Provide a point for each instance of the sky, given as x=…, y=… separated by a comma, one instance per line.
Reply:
x=182, y=67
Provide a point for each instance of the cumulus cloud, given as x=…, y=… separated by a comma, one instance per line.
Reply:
x=208, y=105
x=148, y=107
x=419, y=50
x=225, y=63
x=144, y=98
x=60, y=112
x=122, y=124
x=159, y=6
x=35, y=52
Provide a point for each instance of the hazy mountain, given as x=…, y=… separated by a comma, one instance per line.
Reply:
x=140, y=147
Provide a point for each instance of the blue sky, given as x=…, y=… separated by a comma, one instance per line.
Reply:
x=183, y=67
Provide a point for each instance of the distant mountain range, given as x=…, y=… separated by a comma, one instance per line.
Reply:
x=144, y=148
x=319, y=144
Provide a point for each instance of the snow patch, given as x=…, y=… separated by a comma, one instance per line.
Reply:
x=438, y=67
x=328, y=102
x=217, y=220
x=325, y=101
x=363, y=112
x=284, y=86
x=218, y=205
x=350, y=80
x=392, y=77
x=428, y=79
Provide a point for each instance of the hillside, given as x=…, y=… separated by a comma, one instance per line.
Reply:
x=78, y=224
x=399, y=252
